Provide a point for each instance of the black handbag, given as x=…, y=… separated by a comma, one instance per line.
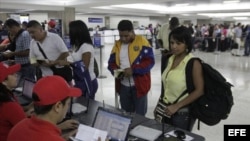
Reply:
x=38, y=73
x=159, y=111
x=65, y=71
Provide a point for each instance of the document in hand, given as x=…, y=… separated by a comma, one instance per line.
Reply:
x=87, y=133
x=118, y=73
x=78, y=108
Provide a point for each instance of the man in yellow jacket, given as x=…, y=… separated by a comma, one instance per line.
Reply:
x=132, y=55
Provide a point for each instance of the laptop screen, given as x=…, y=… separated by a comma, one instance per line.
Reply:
x=116, y=124
x=28, y=88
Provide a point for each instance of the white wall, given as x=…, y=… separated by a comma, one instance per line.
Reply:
x=90, y=25
x=243, y=22
x=40, y=17
x=15, y=17
x=159, y=20
x=216, y=21
x=114, y=20
x=154, y=22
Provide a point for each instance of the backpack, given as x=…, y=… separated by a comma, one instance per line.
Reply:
x=216, y=102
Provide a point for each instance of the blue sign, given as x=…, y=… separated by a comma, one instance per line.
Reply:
x=97, y=40
x=95, y=20
x=67, y=41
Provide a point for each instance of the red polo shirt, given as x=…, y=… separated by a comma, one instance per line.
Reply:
x=10, y=114
x=34, y=129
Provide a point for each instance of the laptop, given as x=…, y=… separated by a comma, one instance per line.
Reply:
x=26, y=97
x=117, y=124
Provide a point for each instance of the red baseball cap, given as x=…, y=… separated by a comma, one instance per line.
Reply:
x=51, y=89
x=6, y=70
x=52, y=24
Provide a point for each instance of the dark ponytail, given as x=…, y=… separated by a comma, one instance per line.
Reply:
x=5, y=94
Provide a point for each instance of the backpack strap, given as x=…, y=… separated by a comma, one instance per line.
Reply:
x=189, y=80
x=182, y=94
x=189, y=72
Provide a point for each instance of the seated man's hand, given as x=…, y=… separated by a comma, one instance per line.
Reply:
x=62, y=63
x=68, y=124
x=67, y=135
x=29, y=109
x=99, y=139
x=8, y=54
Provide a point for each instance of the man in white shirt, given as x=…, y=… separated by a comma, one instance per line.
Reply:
x=51, y=44
x=163, y=40
x=237, y=36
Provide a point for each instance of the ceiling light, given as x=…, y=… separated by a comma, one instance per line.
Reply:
x=182, y=4
x=185, y=9
x=224, y=14
x=152, y=7
x=24, y=10
x=104, y=7
x=231, y=1
x=240, y=18
x=185, y=14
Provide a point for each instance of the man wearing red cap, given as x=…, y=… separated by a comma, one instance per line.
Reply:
x=51, y=26
x=51, y=95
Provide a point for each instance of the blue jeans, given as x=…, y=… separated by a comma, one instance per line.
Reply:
x=93, y=91
x=247, y=47
x=131, y=103
x=182, y=119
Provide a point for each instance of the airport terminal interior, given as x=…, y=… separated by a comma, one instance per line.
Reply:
x=235, y=69
x=235, y=66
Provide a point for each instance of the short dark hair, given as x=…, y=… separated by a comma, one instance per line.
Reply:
x=24, y=23
x=41, y=110
x=173, y=23
x=5, y=94
x=11, y=22
x=33, y=23
x=125, y=25
x=183, y=35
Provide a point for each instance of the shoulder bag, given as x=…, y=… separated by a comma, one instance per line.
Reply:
x=65, y=71
x=159, y=111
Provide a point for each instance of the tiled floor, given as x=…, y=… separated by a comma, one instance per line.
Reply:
x=235, y=69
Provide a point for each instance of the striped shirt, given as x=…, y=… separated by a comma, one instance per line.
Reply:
x=22, y=44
